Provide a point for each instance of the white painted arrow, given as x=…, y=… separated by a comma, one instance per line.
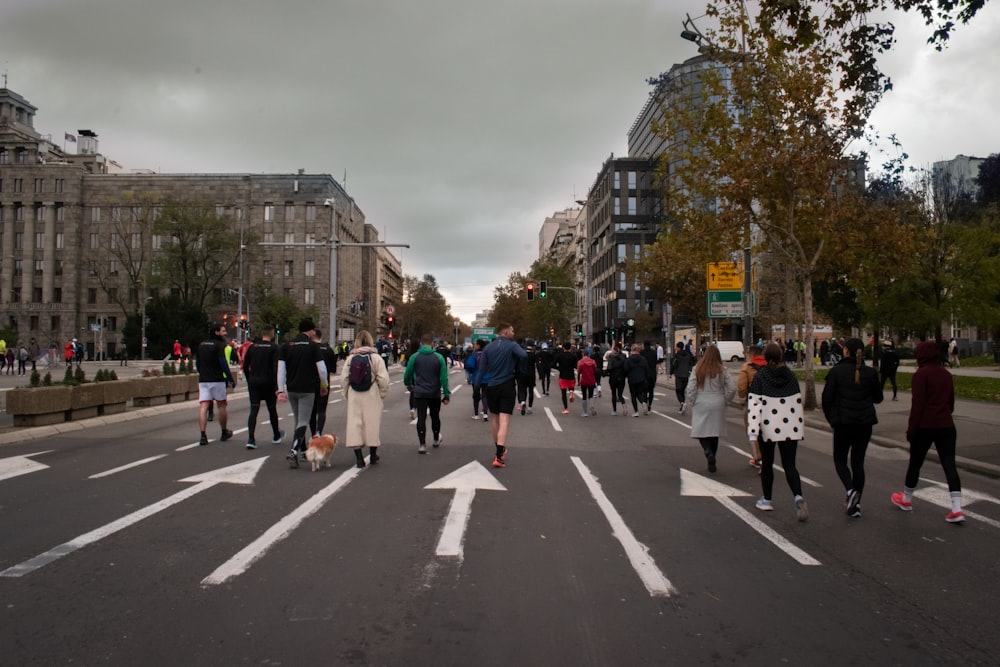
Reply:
x=465, y=481
x=939, y=494
x=20, y=465
x=693, y=484
x=241, y=473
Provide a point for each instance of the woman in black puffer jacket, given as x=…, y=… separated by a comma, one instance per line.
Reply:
x=849, y=397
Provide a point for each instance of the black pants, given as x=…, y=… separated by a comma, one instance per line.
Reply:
x=268, y=397
x=317, y=420
x=680, y=387
x=433, y=406
x=526, y=390
x=891, y=377
x=637, y=392
x=944, y=440
x=851, y=440
x=617, y=388
x=545, y=376
x=710, y=445
x=788, y=449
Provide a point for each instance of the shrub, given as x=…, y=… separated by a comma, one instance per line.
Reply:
x=35, y=379
x=47, y=380
x=79, y=377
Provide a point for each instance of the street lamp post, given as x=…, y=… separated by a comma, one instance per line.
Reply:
x=142, y=341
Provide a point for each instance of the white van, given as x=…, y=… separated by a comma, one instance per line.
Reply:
x=731, y=350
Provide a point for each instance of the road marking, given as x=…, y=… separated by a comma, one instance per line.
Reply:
x=241, y=473
x=693, y=484
x=193, y=445
x=969, y=496
x=134, y=464
x=21, y=465
x=638, y=553
x=939, y=494
x=254, y=551
x=465, y=481
x=553, y=420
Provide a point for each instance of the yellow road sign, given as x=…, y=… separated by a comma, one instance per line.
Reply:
x=724, y=275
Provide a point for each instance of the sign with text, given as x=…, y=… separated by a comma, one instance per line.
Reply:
x=725, y=303
x=489, y=333
x=724, y=276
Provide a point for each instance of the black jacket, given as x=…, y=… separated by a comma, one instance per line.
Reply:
x=637, y=369
x=847, y=402
x=260, y=365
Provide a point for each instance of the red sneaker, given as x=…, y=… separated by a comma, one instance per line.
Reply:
x=905, y=505
x=572, y=396
x=497, y=463
x=955, y=517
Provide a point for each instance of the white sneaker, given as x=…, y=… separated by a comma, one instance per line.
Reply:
x=476, y=416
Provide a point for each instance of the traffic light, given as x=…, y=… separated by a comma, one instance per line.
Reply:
x=530, y=291
x=579, y=329
x=390, y=321
x=543, y=288
x=552, y=331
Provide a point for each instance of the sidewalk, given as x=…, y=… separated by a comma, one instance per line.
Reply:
x=977, y=422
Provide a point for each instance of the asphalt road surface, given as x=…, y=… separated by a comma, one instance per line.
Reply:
x=604, y=542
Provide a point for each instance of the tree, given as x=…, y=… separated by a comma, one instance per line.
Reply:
x=124, y=261
x=424, y=309
x=279, y=311
x=200, y=250
x=988, y=180
x=763, y=152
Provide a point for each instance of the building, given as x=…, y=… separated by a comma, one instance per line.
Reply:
x=77, y=239
x=957, y=177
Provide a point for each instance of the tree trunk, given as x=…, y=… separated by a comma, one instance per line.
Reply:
x=809, y=400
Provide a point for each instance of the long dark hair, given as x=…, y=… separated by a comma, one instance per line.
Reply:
x=774, y=355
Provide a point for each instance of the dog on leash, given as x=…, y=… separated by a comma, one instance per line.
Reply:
x=320, y=451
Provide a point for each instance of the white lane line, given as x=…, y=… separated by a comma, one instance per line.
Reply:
x=134, y=464
x=638, y=553
x=767, y=532
x=193, y=445
x=553, y=420
x=250, y=554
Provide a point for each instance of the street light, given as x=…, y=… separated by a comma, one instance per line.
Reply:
x=334, y=245
x=142, y=342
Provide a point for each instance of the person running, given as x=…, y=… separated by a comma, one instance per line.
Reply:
x=680, y=369
x=364, y=403
x=426, y=378
x=775, y=392
x=708, y=396
x=931, y=423
x=616, y=380
x=213, y=377
x=586, y=372
x=499, y=360
x=260, y=370
x=888, y=366
x=565, y=363
x=317, y=420
x=636, y=373
x=545, y=361
x=747, y=373
x=526, y=380
x=850, y=394
x=301, y=374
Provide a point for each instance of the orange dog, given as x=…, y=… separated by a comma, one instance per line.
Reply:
x=320, y=451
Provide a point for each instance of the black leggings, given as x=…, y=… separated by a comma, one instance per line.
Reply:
x=892, y=378
x=787, y=449
x=851, y=439
x=317, y=420
x=268, y=397
x=944, y=440
x=425, y=405
x=710, y=445
x=587, y=393
x=637, y=392
x=617, y=394
x=526, y=391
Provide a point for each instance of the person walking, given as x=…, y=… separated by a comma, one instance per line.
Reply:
x=747, y=373
x=932, y=394
x=775, y=393
x=545, y=361
x=850, y=394
x=364, y=403
x=472, y=373
x=617, y=379
x=301, y=374
x=526, y=370
x=649, y=354
x=412, y=349
x=680, y=369
x=317, y=420
x=260, y=372
x=176, y=350
x=597, y=354
x=565, y=363
x=123, y=355
x=586, y=372
x=707, y=397
x=34, y=352
x=426, y=378
x=499, y=361
x=636, y=373
x=213, y=377
x=888, y=366
x=9, y=358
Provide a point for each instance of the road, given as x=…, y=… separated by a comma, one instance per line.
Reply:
x=604, y=542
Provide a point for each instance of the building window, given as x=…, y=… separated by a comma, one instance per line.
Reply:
x=39, y=264
x=60, y=185
x=33, y=322
x=220, y=211
x=4, y=156
x=289, y=237
x=18, y=240
x=18, y=213
x=112, y=294
x=113, y=267
x=92, y=268
x=268, y=237
x=618, y=181
x=311, y=238
x=268, y=268
x=91, y=295
x=18, y=184
x=22, y=155
x=15, y=297
x=157, y=242
x=58, y=270
x=287, y=292
x=136, y=241
x=631, y=180
x=288, y=268
x=36, y=294
x=39, y=185
x=39, y=240
x=268, y=213
x=311, y=213
x=632, y=209
x=289, y=212
x=54, y=323
x=617, y=207
x=95, y=241
x=309, y=296
x=113, y=323
x=95, y=214
x=60, y=213
x=310, y=268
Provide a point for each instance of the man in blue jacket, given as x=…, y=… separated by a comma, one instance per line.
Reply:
x=499, y=360
x=426, y=376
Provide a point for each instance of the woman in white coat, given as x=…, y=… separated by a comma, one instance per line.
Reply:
x=364, y=407
x=707, y=396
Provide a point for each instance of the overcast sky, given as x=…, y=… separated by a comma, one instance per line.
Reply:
x=460, y=125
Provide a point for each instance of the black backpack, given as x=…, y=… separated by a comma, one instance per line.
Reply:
x=359, y=375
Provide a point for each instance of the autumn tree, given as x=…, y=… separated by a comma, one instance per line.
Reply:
x=124, y=258
x=423, y=310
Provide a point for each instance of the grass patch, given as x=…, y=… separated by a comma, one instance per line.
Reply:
x=973, y=388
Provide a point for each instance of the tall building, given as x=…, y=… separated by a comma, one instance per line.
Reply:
x=77, y=239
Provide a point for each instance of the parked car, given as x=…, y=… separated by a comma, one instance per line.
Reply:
x=731, y=350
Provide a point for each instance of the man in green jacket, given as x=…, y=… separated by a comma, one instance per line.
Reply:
x=426, y=377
